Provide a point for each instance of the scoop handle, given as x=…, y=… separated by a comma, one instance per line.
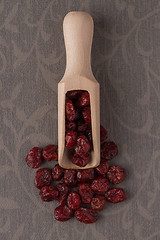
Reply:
x=78, y=34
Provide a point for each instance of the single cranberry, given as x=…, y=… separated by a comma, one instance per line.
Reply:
x=85, y=175
x=87, y=115
x=85, y=192
x=88, y=134
x=82, y=145
x=115, y=195
x=57, y=173
x=34, y=157
x=70, y=126
x=83, y=100
x=80, y=161
x=100, y=184
x=109, y=150
x=43, y=178
x=50, y=153
x=74, y=94
x=86, y=215
x=71, y=138
x=116, y=174
x=103, y=133
x=63, y=213
x=73, y=200
x=98, y=202
x=63, y=192
x=102, y=169
x=70, y=177
x=81, y=126
x=48, y=193
x=70, y=111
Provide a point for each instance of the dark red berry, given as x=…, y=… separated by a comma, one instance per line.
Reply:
x=50, y=153
x=80, y=161
x=82, y=145
x=88, y=134
x=102, y=169
x=48, y=193
x=103, y=133
x=109, y=150
x=87, y=115
x=57, y=172
x=34, y=157
x=70, y=111
x=71, y=138
x=98, y=202
x=63, y=192
x=43, y=178
x=63, y=213
x=85, y=175
x=70, y=177
x=86, y=215
x=115, y=195
x=70, y=126
x=100, y=184
x=74, y=94
x=81, y=126
x=73, y=200
x=85, y=192
x=83, y=100
x=116, y=174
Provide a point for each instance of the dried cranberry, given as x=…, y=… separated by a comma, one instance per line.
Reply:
x=70, y=111
x=81, y=126
x=98, y=202
x=63, y=192
x=87, y=115
x=70, y=177
x=86, y=215
x=88, y=134
x=103, y=133
x=73, y=200
x=85, y=192
x=82, y=145
x=83, y=100
x=85, y=175
x=102, y=169
x=34, y=157
x=70, y=126
x=50, y=153
x=115, y=195
x=116, y=174
x=80, y=161
x=109, y=150
x=71, y=138
x=74, y=94
x=63, y=213
x=100, y=184
x=43, y=178
x=57, y=172
x=48, y=193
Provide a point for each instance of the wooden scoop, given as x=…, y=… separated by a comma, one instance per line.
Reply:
x=78, y=34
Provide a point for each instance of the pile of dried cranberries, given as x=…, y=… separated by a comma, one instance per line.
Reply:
x=81, y=192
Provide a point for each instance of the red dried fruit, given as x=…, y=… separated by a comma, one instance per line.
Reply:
x=85, y=175
x=63, y=213
x=70, y=126
x=100, y=184
x=70, y=111
x=86, y=215
x=82, y=145
x=70, y=177
x=63, y=192
x=80, y=161
x=98, y=202
x=43, y=178
x=102, y=169
x=85, y=192
x=116, y=174
x=57, y=173
x=83, y=100
x=81, y=126
x=73, y=200
x=88, y=134
x=115, y=195
x=87, y=115
x=103, y=133
x=71, y=138
x=109, y=150
x=48, y=193
x=34, y=157
x=74, y=94
x=50, y=153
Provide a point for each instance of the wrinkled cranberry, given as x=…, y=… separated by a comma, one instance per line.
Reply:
x=71, y=138
x=116, y=174
x=73, y=200
x=63, y=213
x=48, y=193
x=85, y=192
x=63, y=192
x=102, y=169
x=50, y=153
x=100, y=184
x=82, y=145
x=83, y=100
x=57, y=172
x=115, y=195
x=103, y=133
x=86, y=215
x=85, y=175
x=70, y=111
x=98, y=202
x=74, y=94
x=81, y=126
x=87, y=115
x=34, y=157
x=43, y=178
x=70, y=126
x=70, y=177
x=80, y=161
x=109, y=150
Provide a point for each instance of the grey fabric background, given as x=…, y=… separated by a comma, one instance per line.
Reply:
x=126, y=62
